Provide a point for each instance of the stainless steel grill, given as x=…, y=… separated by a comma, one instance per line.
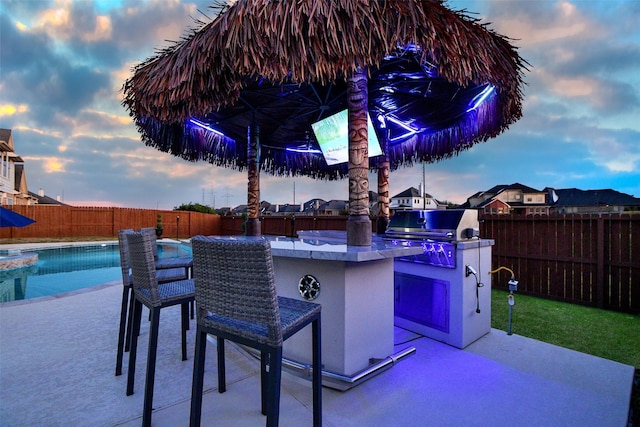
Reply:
x=434, y=294
x=437, y=231
x=444, y=225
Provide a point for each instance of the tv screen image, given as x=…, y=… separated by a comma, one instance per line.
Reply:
x=332, y=134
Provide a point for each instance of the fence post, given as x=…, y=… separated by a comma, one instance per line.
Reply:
x=601, y=287
x=113, y=222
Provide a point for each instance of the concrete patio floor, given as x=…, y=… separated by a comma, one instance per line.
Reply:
x=57, y=358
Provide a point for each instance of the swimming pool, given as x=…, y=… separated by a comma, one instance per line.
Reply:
x=66, y=269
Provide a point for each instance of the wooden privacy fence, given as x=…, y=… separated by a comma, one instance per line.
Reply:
x=279, y=225
x=586, y=259
x=73, y=222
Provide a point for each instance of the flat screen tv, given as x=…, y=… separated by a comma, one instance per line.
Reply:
x=332, y=134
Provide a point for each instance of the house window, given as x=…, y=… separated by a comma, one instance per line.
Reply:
x=529, y=199
x=5, y=167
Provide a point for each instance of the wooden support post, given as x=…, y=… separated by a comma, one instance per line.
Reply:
x=253, y=191
x=383, y=192
x=359, y=223
x=602, y=288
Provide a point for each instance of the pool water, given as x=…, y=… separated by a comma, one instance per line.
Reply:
x=66, y=269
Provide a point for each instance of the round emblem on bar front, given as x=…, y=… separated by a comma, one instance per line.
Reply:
x=309, y=287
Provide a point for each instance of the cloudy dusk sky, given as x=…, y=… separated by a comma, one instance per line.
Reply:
x=63, y=64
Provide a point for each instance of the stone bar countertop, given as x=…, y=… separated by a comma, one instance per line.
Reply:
x=331, y=249
x=336, y=236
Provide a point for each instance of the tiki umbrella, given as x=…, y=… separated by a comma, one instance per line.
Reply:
x=251, y=88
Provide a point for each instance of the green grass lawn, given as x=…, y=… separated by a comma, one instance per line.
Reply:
x=608, y=334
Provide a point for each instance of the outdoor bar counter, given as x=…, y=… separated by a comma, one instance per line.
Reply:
x=355, y=286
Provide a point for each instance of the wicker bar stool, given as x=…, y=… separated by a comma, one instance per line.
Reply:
x=236, y=300
x=176, y=262
x=181, y=262
x=126, y=309
x=156, y=296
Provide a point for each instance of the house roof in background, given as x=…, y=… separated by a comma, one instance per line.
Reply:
x=409, y=192
x=563, y=197
x=289, y=208
x=6, y=144
x=334, y=205
x=521, y=187
x=493, y=190
x=566, y=197
x=5, y=135
x=46, y=200
x=310, y=205
x=577, y=197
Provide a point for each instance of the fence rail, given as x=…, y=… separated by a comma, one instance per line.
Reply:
x=70, y=221
x=584, y=259
x=289, y=226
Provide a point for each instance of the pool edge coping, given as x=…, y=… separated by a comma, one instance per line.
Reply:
x=45, y=298
x=52, y=245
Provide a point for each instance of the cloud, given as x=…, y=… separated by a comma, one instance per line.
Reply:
x=67, y=20
x=60, y=93
x=49, y=164
x=534, y=23
x=10, y=110
x=47, y=82
x=617, y=151
x=605, y=96
x=574, y=52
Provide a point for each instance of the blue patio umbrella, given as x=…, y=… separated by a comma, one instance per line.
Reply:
x=11, y=219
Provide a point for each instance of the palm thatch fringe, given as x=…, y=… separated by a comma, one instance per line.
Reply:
x=196, y=144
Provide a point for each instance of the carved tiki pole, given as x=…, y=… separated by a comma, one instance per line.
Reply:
x=383, y=191
x=359, y=223
x=253, y=190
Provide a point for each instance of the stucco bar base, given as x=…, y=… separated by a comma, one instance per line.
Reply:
x=357, y=311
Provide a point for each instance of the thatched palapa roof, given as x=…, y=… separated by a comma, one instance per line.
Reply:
x=283, y=65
